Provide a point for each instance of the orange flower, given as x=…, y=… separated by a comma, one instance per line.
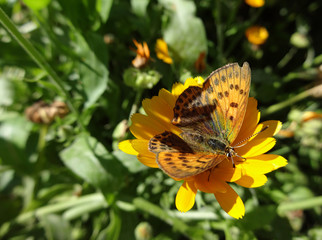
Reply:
x=142, y=55
x=249, y=173
x=200, y=64
x=309, y=115
x=257, y=35
x=162, y=52
x=255, y=3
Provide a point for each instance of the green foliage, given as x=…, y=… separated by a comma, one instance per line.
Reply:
x=68, y=180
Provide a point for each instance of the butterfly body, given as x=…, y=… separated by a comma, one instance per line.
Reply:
x=210, y=118
x=204, y=143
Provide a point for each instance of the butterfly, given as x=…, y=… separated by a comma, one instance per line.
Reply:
x=210, y=118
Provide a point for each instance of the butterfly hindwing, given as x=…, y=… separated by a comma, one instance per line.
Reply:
x=177, y=159
x=182, y=165
x=168, y=142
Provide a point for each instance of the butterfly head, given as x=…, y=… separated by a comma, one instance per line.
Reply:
x=230, y=152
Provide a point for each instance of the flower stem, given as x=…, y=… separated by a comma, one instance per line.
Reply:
x=219, y=31
x=41, y=146
x=39, y=59
x=288, y=56
x=61, y=206
x=286, y=103
x=135, y=104
x=300, y=205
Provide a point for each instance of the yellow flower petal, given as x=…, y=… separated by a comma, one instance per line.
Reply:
x=255, y=167
x=252, y=181
x=148, y=161
x=142, y=147
x=275, y=161
x=126, y=146
x=158, y=110
x=177, y=89
x=228, y=174
x=231, y=203
x=273, y=128
x=251, y=119
x=263, y=164
x=207, y=182
x=162, y=52
x=143, y=127
x=256, y=147
x=197, y=81
x=186, y=195
x=168, y=97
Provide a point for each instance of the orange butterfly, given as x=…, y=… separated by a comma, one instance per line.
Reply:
x=210, y=119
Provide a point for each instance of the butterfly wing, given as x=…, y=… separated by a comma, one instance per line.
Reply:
x=177, y=159
x=191, y=113
x=218, y=108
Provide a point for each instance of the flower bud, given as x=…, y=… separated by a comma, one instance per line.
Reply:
x=141, y=80
x=143, y=231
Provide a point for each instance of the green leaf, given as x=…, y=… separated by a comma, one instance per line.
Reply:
x=93, y=72
x=139, y=7
x=258, y=218
x=176, y=223
x=89, y=159
x=37, y=4
x=14, y=134
x=10, y=206
x=103, y=7
x=185, y=34
x=114, y=228
x=6, y=92
x=131, y=162
x=56, y=227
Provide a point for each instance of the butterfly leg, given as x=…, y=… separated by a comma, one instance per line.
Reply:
x=232, y=160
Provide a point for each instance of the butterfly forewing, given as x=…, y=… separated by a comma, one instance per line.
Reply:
x=228, y=87
x=218, y=108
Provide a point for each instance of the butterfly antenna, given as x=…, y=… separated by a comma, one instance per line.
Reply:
x=245, y=140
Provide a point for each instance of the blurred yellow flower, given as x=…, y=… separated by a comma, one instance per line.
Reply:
x=255, y=3
x=162, y=52
x=142, y=54
x=249, y=173
x=256, y=35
